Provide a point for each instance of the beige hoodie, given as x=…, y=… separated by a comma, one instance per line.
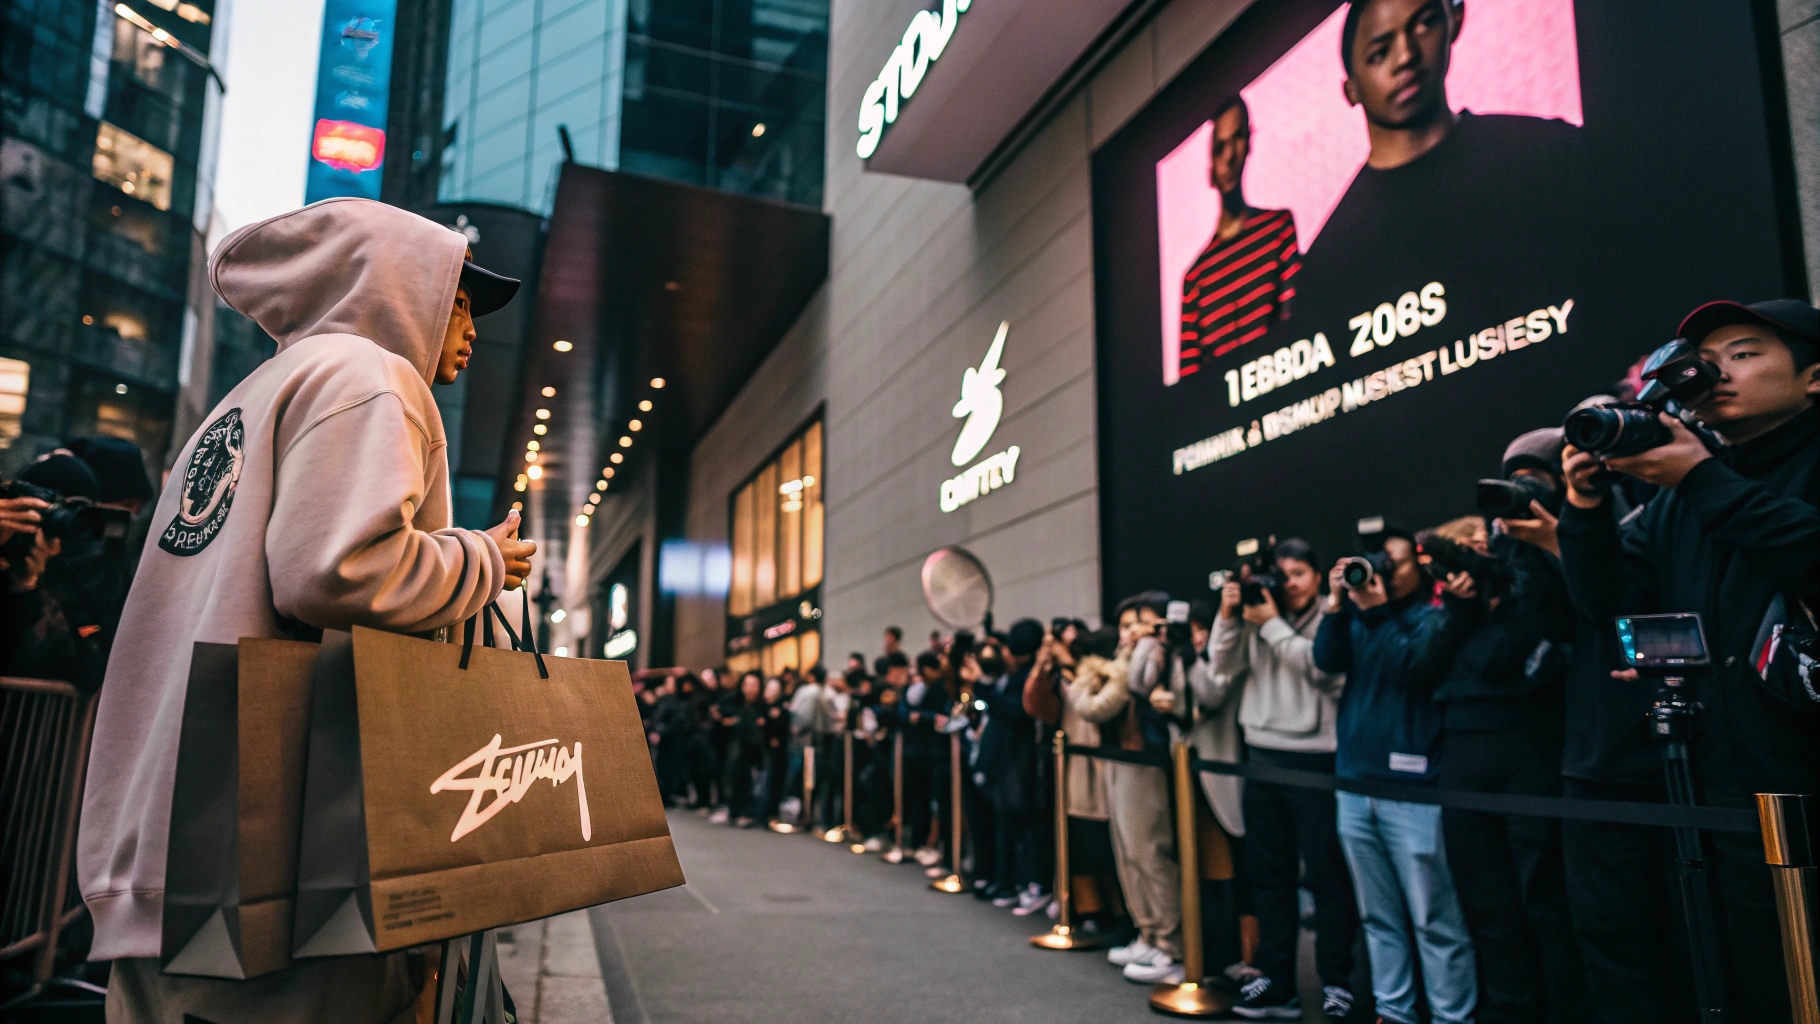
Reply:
x=317, y=491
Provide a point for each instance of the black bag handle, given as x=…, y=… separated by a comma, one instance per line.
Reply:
x=486, y=617
x=530, y=640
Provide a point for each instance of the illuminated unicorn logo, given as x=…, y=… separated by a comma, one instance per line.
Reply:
x=981, y=402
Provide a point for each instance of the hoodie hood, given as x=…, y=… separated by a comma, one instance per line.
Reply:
x=345, y=266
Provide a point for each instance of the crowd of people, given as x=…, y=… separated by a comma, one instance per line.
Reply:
x=1475, y=656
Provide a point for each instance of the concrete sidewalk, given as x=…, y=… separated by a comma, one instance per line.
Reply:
x=783, y=929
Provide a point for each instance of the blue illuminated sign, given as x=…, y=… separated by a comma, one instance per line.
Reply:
x=353, y=84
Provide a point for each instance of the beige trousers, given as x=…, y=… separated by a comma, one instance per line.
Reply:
x=341, y=990
x=1143, y=846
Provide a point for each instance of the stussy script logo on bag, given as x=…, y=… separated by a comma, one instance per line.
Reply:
x=508, y=773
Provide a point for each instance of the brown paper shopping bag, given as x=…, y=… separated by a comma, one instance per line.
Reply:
x=235, y=808
x=444, y=800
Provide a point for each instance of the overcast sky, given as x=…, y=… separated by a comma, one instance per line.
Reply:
x=270, y=72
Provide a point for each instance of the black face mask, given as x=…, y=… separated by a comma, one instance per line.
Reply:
x=992, y=667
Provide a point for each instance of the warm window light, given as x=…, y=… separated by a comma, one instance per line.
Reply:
x=657, y=382
x=601, y=485
x=616, y=458
x=562, y=346
x=532, y=446
x=540, y=430
x=624, y=441
x=644, y=406
x=581, y=520
x=558, y=615
x=758, y=129
x=535, y=472
x=543, y=414
x=549, y=392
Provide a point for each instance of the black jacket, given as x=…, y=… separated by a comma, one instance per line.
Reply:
x=1499, y=669
x=1738, y=531
x=921, y=741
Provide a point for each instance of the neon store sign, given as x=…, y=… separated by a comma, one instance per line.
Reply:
x=921, y=46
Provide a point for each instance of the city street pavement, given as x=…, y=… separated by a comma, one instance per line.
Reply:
x=775, y=928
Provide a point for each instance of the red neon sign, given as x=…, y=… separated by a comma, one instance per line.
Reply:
x=347, y=146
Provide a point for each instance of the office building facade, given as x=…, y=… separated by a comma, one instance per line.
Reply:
x=108, y=145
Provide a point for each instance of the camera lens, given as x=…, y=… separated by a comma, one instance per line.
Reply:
x=1614, y=430
x=1357, y=572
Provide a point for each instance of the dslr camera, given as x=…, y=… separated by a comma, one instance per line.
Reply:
x=1256, y=577
x=1359, y=570
x=1676, y=378
x=1490, y=574
x=67, y=519
x=1509, y=499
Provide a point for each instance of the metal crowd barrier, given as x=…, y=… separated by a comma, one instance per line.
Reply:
x=47, y=725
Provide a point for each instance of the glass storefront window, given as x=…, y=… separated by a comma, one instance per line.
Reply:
x=15, y=383
x=133, y=165
x=775, y=534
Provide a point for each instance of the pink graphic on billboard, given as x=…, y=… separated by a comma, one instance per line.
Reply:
x=1307, y=143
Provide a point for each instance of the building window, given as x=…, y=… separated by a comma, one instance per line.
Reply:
x=133, y=165
x=773, y=603
x=15, y=382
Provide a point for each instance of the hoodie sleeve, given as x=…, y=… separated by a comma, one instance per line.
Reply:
x=342, y=547
x=1295, y=655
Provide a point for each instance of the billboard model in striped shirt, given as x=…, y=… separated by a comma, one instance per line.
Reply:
x=1238, y=288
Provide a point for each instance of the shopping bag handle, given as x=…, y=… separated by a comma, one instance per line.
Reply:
x=486, y=616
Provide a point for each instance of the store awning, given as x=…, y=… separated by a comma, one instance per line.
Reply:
x=643, y=279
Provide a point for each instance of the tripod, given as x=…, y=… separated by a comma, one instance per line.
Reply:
x=1671, y=721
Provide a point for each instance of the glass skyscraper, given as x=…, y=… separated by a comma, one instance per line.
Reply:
x=106, y=157
x=722, y=93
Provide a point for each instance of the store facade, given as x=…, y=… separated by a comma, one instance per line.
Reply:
x=974, y=368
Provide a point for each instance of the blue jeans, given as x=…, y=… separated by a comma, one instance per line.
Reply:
x=1399, y=869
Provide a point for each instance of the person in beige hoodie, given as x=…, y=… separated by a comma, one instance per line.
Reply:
x=315, y=496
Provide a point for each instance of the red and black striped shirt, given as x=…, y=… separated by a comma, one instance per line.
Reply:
x=1238, y=287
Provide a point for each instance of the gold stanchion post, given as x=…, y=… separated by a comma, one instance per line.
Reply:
x=1783, y=818
x=848, y=831
x=1190, y=998
x=895, y=855
x=952, y=882
x=1063, y=935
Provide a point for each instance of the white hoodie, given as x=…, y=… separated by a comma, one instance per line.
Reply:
x=317, y=491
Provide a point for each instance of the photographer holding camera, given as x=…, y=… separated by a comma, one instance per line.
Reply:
x=1726, y=536
x=64, y=551
x=1287, y=709
x=1388, y=730
x=1494, y=655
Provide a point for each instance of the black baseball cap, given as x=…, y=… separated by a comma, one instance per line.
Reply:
x=1793, y=316
x=487, y=291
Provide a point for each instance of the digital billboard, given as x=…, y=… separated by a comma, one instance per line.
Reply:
x=353, y=85
x=1354, y=249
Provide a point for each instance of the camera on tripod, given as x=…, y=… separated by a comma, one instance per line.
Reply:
x=67, y=519
x=1676, y=377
